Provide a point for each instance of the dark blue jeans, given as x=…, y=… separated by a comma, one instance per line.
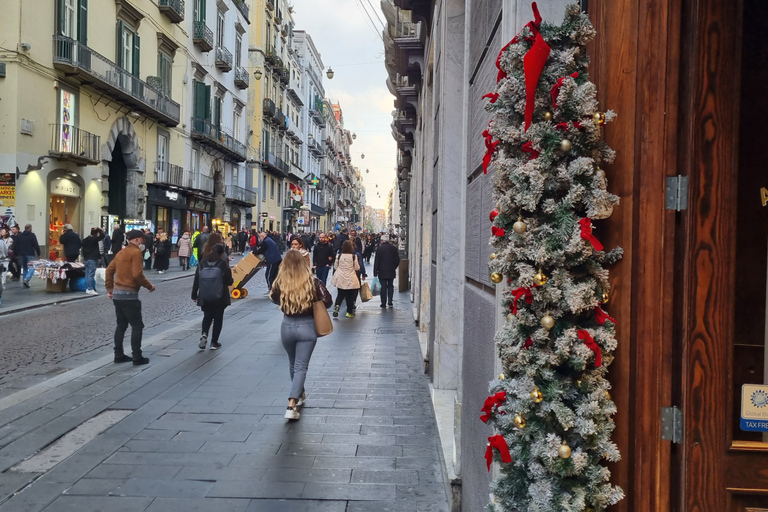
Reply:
x=128, y=312
x=387, y=289
x=90, y=274
x=26, y=270
x=322, y=273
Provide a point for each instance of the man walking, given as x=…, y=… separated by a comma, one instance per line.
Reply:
x=242, y=238
x=14, y=265
x=91, y=256
x=356, y=242
x=27, y=249
x=200, y=242
x=272, y=258
x=70, y=240
x=323, y=258
x=343, y=237
x=116, y=242
x=149, y=241
x=124, y=279
x=384, y=267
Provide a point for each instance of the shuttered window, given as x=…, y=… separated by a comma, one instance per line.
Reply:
x=72, y=19
x=202, y=101
x=164, y=71
x=128, y=48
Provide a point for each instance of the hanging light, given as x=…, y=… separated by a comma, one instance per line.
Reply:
x=367, y=171
x=329, y=73
x=362, y=156
x=257, y=74
x=354, y=136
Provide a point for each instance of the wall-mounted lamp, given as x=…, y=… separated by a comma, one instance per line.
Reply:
x=329, y=73
x=257, y=74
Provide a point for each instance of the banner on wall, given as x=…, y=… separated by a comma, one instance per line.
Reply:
x=7, y=198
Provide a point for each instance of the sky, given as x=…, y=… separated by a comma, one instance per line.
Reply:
x=347, y=43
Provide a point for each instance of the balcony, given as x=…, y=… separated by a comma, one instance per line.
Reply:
x=169, y=174
x=269, y=108
x=241, y=78
x=202, y=36
x=75, y=145
x=173, y=9
x=243, y=8
x=275, y=165
x=215, y=138
x=314, y=147
x=316, y=209
x=223, y=59
x=240, y=195
x=270, y=56
x=280, y=120
x=79, y=61
x=408, y=35
x=285, y=76
x=200, y=182
x=296, y=171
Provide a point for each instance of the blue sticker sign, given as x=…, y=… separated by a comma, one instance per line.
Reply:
x=754, y=408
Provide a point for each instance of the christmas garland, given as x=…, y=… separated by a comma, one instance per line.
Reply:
x=551, y=410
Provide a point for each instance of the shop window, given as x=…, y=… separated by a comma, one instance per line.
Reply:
x=163, y=219
x=67, y=120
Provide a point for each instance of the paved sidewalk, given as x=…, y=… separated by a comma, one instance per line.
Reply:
x=205, y=430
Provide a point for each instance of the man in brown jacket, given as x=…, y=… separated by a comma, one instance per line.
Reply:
x=124, y=279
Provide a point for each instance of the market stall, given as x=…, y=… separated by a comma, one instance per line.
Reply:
x=58, y=273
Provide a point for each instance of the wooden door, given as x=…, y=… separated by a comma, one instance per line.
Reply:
x=721, y=294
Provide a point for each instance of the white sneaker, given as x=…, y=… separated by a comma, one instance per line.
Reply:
x=91, y=292
x=292, y=414
x=301, y=400
x=161, y=272
x=203, y=342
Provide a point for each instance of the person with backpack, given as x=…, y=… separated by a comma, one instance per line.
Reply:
x=210, y=288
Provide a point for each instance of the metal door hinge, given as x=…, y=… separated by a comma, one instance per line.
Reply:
x=672, y=424
x=677, y=193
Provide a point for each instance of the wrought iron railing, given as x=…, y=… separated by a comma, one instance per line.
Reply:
x=240, y=4
x=241, y=194
x=169, y=174
x=174, y=9
x=106, y=73
x=223, y=58
x=203, y=36
x=223, y=140
x=269, y=107
x=241, y=77
x=66, y=140
x=200, y=182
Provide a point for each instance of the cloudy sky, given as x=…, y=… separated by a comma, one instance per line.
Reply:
x=347, y=42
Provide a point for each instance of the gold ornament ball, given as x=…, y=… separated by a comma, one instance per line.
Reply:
x=547, y=322
x=519, y=227
x=547, y=116
x=578, y=383
x=496, y=277
x=540, y=279
x=493, y=255
x=597, y=119
x=564, y=451
x=565, y=145
x=501, y=376
x=606, y=298
x=536, y=396
x=519, y=421
x=600, y=174
x=607, y=395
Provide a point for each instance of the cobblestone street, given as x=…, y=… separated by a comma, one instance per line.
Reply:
x=204, y=430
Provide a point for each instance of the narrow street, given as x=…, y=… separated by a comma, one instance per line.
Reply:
x=204, y=430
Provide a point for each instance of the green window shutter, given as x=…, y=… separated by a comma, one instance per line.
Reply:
x=60, y=17
x=202, y=11
x=207, y=110
x=136, y=54
x=82, y=22
x=217, y=112
x=120, y=62
x=199, y=104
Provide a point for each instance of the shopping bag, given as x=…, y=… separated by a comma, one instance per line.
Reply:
x=323, y=324
x=376, y=287
x=192, y=261
x=365, y=293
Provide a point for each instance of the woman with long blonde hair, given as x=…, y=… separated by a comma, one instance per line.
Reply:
x=296, y=290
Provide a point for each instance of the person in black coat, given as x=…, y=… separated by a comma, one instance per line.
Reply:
x=27, y=249
x=323, y=258
x=149, y=248
x=92, y=255
x=213, y=311
x=116, y=241
x=71, y=242
x=384, y=267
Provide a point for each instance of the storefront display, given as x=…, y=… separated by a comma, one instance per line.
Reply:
x=166, y=208
x=198, y=214
x=64, y=209
x=57, y=273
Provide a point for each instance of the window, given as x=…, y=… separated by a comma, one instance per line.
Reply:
x=236, y=129
x=199, y=10
x=220, y=28
x=202, y=106
x=164, y=70
x=70, y=18
x=279, y=195
x=272, y=188
x=264, y=186
x=217, y=112
x=128, y=50
x=162, y=150
x=235, y=175
x=195, y=159
x=238, y=50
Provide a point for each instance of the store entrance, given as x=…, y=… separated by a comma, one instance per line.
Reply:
x=63, y=210
x=118, y=182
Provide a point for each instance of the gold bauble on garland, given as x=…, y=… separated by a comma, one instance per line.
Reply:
x=502, y=376
x=496, y=277
x=493, y=255
x=547, y=322
x=565, y=145
x=564, y=451
x=519, y=227
x=606, y=297
x=519, y=421
x=547, y=116
x=540, y=279
x=536, y=396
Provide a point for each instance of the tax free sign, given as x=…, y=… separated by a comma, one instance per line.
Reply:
x=754, y=408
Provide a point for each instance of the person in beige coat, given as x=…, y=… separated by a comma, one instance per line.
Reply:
x=345, y=279
x=185, y=250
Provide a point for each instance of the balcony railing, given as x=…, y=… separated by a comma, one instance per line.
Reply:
x=280, y=120
x=216, y=138
x=78, y=59
x=314, y=147
x=408, y=35
x=241, y=195
x=169, y=174
x=241, y=78
x=199, y=182
x=173, y=9
x=269, y=108
x=241, y=5
x=223, y=59
x=203, y=36
x=316, y=209
x=74, y=144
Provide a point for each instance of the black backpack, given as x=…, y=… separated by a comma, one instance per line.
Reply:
x=210, y=282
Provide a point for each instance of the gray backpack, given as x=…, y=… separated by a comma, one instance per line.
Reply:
x=210, y=283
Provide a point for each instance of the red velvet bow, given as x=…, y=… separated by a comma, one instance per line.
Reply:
x=502, y=74
x=500, y=444
x=601, y=316
x=490, y=149
x=493, y=214
x=586, y=233
x=555, y=90
x=521, y=292
x=497, y=231
x=528, y=344
x=493, y=96
x=533, y=65
x=491, y=402
x=528, y=148
x=590, y=343
x=564, y=126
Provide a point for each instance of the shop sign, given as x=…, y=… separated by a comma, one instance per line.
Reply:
x=65, y=187
x=754, y=408
x=173, y=196
x=7, y=197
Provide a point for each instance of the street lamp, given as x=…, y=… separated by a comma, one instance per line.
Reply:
x=329, y=73
x=257, y=74
x=354, y=136
x=362, y=156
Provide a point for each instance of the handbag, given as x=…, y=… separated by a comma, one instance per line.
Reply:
x=323, y=324
x=365, y=293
